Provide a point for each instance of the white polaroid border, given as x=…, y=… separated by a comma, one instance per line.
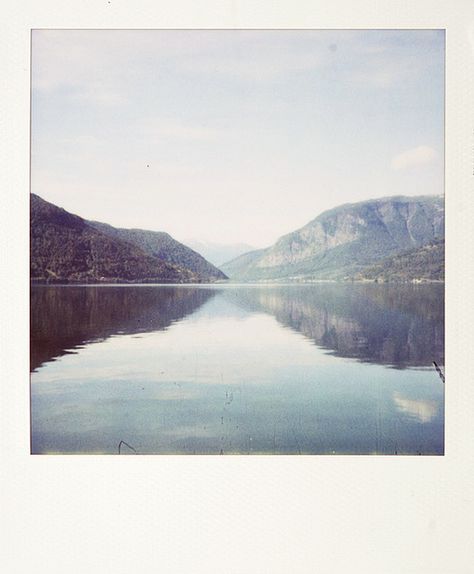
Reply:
x=235, y=515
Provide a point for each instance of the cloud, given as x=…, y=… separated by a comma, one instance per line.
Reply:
x=226, y=121
x=423, y=410
x=420, y=155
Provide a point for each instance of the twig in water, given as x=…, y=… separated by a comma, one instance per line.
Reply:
x=126, y=444
x=440, y=372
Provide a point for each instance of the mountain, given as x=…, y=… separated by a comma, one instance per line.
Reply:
x=66, y=248
x=219, y=253
x=424, y=263
x=343, y=241
x=161, y=245
x=237, y=267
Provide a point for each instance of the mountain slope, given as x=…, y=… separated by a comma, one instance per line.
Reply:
x=65, y=247
x=219, y=253
x=421, y=263
x=240, y=266
x=342, y=241
x=161, y=245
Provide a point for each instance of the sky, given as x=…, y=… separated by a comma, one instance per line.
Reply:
x=230, y=136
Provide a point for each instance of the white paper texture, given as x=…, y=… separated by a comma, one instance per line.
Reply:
x=234, y=515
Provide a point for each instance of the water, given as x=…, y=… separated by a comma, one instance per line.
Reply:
x=311, y=369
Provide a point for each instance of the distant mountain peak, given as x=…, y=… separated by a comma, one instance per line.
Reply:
x=218, y=253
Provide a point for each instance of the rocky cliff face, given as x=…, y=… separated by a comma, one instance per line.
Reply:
x=343, y=240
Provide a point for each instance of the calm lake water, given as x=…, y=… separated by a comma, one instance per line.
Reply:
x=311, y=369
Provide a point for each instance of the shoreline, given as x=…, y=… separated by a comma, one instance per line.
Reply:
x=68, y=283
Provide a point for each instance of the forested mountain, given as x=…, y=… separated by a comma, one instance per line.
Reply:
x=65, y=247
x=424, y=263
x=341, y=242
x=161, y=245
x=388, y=239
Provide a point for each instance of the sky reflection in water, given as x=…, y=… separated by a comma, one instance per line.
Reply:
x=317, y=369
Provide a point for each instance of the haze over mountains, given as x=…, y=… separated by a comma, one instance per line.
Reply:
x=345, y=241
x=389, y=239
x=67, y=248
x=162, y=246
x=219, y=253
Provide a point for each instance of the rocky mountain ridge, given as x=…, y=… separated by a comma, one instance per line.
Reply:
x=341, y=242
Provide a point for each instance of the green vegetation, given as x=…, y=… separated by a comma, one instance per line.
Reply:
x=66, y=248
x=391, y=239
x=424, y=263
x=162, y=246
x=342, y=242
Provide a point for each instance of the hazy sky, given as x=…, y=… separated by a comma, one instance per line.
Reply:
x=233, y=136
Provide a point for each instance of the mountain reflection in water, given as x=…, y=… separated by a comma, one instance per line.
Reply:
x=237, y=369
x=64, y=318
x=397, y=325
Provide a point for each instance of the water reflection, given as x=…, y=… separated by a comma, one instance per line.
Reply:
x=237, y=369
x=398, y=325
x=64, y=318
x=422, y=410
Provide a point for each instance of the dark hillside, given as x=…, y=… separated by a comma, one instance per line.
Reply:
x=64, y=247
x=424, y=263
x=161, y=245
